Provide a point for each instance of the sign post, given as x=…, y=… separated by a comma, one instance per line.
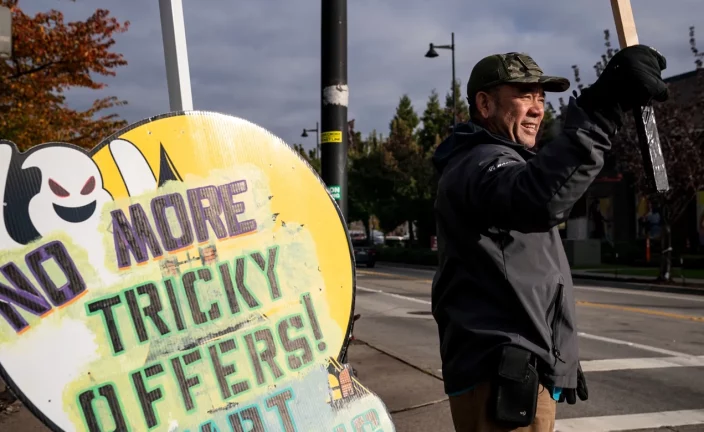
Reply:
x=173, y=32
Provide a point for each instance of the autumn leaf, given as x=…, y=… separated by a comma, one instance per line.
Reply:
x=49, y=57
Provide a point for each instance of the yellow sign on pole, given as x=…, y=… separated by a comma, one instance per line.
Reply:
x=331, y=137
x=190, y=273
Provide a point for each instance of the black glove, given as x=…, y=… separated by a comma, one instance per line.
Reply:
x=581, y=391
x=631, y=79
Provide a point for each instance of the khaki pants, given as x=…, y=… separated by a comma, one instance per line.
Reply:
x=470, y=412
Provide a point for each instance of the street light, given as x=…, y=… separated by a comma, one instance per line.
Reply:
x=432, y=54
x=317, y=139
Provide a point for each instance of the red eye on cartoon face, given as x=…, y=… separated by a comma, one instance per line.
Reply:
x=57, y=189
x=89, y=186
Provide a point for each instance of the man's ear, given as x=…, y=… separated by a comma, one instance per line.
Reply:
x=484, y=103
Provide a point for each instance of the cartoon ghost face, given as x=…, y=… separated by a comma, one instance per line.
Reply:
x=71, y=194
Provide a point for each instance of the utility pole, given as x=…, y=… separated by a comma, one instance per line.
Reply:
x=334, y=99
x=173, y=32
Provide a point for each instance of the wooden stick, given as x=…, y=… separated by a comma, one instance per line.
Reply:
x=625, y=23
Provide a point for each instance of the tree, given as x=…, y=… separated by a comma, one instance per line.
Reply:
x=370, y=181
x=400, y=155
x=435, y=126
x=50, y=56
x=462, y=112
x=309, y=156
x=437, y=122
x=680, y=122
x=405, y=113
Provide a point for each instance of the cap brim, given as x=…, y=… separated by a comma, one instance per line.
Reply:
x=549, y=83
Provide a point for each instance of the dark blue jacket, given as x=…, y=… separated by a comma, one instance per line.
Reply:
x=503, y=276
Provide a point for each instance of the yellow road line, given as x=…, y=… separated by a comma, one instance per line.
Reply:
x=642, y=311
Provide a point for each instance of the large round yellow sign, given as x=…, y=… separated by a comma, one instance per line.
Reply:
x=191, y=273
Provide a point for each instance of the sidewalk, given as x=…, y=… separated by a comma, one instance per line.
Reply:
x=688, y=286
x=415, y=399
x=15, y=417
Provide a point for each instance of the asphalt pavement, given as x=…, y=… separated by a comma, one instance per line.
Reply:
x=642, y=352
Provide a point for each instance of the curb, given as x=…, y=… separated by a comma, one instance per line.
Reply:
x=640, y=285
x=410, y=266
x=621, y=282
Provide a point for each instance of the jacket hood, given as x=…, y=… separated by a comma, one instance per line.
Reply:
x=469, y=135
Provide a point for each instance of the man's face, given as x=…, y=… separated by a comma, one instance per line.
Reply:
x=514, y=111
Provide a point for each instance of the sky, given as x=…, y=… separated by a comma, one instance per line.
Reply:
x=260, y=59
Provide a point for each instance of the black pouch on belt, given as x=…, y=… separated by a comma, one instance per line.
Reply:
x=515, y=388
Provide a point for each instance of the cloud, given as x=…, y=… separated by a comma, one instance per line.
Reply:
x=260, y=60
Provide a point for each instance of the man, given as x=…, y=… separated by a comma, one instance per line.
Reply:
x=502, y=296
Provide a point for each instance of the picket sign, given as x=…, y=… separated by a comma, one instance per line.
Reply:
x=189, y=273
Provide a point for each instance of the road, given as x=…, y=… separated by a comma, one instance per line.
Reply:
x=642, y=352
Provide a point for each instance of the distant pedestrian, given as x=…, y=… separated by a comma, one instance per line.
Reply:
x=503, y=294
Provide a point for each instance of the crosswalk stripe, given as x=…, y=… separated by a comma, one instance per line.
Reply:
x=606, y=365
x=631, y=421
x=633, y=345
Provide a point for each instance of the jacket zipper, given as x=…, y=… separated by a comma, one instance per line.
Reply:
x=503, y=240
x=557, y=317
x=504, y=257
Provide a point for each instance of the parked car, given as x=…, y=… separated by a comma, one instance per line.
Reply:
x=364, y=253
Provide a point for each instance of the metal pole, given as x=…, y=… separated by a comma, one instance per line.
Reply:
x=173, y=32
x=334, y=98
x=317, y=140
x=454, y=93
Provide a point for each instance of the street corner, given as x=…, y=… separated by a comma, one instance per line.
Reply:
x=402, y=387
x=413, y=396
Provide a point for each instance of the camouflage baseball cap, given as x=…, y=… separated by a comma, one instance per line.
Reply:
x=511, y=68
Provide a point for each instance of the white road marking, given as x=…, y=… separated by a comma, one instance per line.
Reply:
x=606, y=365
x=631, y=421
x=581, y=334
x=398, y=296
x=687, y=297
x=634, y=345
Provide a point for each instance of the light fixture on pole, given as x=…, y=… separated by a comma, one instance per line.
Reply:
x=432, y=54
x=317, y=138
